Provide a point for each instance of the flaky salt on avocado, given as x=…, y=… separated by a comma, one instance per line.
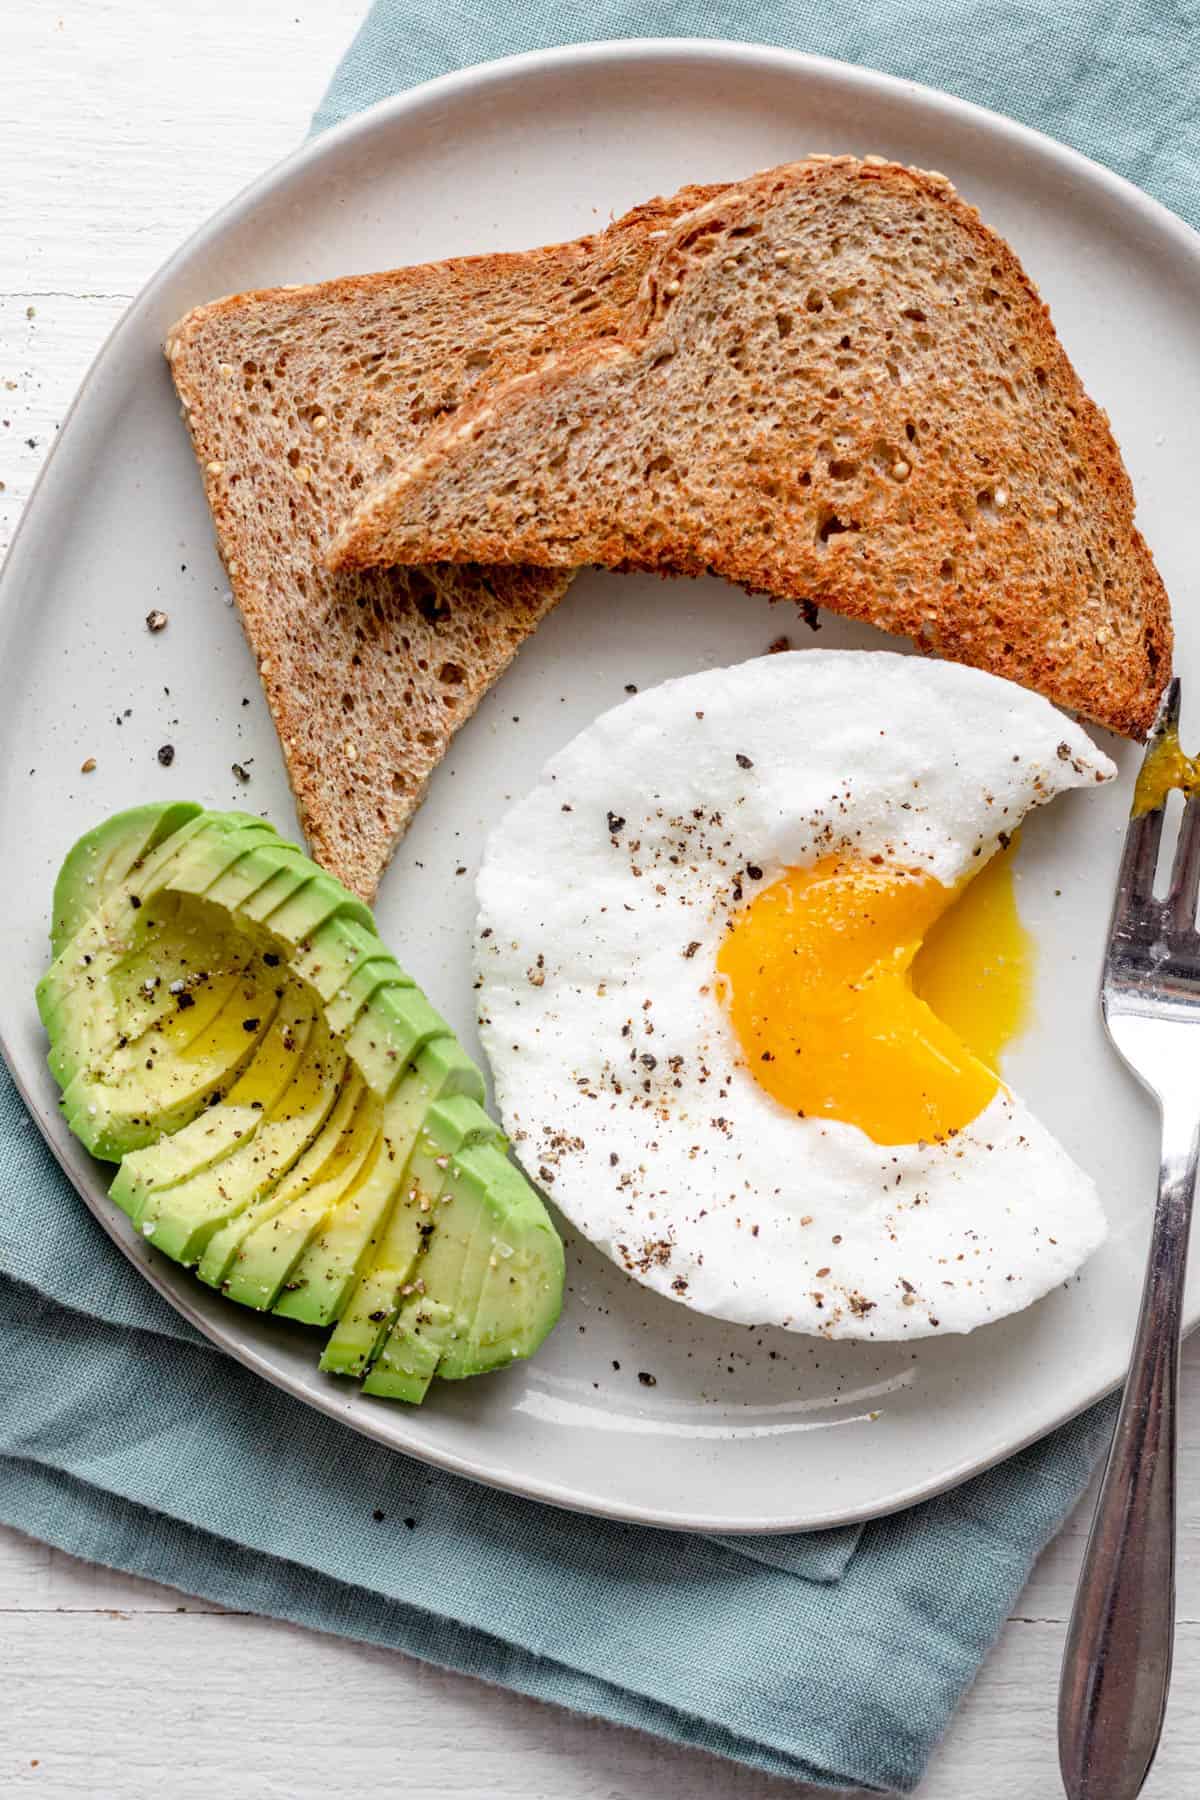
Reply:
x=291, y=1117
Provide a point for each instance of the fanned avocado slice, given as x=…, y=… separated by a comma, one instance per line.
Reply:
x=167, y=967
x=388, y=1032
x=290, y=880
x=208, y=1141
x=337, y=953
x=153, y=930
x=491, y=1282
x=254, y=1257
x=452, y=1275
x=104, y=857
x=269, y=861
x=204, y=846
x=228, y=1115
x=292, y=1114
x=266, y=1266
x=521, y=1296
x=300, y=914
x=252, y=1268
x=284, y=1098
x=186, y=1071
x=320, y=1284
x=360, y=988
x=449, y=1127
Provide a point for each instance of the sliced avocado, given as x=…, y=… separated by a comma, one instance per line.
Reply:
x=449, y=1126
x=190, y=861
x=359, y=988
x=492, y=1282
x=278, y=1043
x=327, y=1158
x=167, y=967
x=185, y=1072
x=284, y=882
x=521, y=1296
x=181, y=1218
x=181, y=824
x=204, y=835
x=277, y=1241
x=389, y=1031
x=205, y=845
x=452, y=1270
x=151, y=931
x=247, y=874
x=104, y=857
x=319, y=1285
x=169, y=1028
x=291, y=1112
x=330, y=1248
x=335, y=952
x=207, y=839
x=303, y=913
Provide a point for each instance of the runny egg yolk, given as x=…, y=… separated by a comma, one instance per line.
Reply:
x=875, y=995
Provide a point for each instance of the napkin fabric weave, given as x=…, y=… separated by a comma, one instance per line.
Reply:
x=835, y=1658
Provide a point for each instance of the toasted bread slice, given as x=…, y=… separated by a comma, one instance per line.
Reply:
x=838, y=385
x=298, y=399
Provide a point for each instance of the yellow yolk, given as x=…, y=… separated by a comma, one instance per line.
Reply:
x=871, y=994
x=1166, y=767
x=975, y=967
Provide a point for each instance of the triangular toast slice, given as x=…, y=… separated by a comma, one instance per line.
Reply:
x=838, y=385
x=298, y=399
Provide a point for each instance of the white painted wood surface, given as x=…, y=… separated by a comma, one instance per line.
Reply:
x=123, y=124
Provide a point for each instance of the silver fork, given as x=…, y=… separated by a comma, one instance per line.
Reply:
x=1117, y=1666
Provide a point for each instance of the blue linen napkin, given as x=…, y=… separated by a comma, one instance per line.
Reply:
x=835, y=1658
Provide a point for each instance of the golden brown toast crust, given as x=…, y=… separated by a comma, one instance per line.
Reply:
x=297, y=399
x=837, y=384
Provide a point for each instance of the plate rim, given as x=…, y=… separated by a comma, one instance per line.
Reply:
x=856, y=78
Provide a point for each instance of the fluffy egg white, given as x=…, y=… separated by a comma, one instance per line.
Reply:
x=605, y=897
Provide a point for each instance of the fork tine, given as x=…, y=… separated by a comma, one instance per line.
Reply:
x=1185, y=869
x=1139, y=860
x=1168, y=712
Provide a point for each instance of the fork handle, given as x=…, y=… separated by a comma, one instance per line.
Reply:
x=1117, y=1665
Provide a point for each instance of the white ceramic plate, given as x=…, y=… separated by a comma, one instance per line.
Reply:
x=744, y=1430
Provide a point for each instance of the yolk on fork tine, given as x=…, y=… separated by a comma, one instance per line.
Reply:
x=1166, y=767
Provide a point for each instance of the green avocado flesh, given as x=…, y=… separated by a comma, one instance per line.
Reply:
x=291, y=1117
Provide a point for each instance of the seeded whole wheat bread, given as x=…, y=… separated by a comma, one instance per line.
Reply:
x=838, y=385
x=297, y=400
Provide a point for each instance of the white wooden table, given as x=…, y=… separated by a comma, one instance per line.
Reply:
x=123, y=124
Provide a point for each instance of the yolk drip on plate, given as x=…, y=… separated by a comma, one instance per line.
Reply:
x=875, y=995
